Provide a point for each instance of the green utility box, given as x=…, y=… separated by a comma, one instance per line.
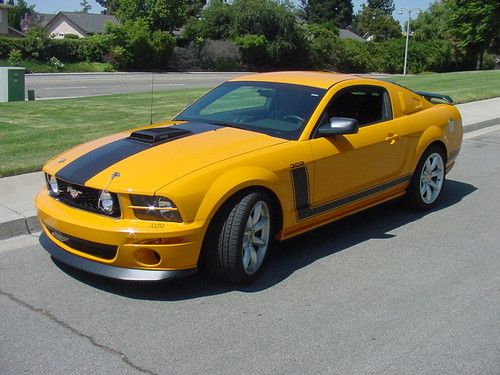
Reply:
x=11, y=84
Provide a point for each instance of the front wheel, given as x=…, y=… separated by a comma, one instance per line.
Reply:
x=428, y=180
x=236, y=248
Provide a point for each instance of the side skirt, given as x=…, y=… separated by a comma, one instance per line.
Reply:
x=328, y=211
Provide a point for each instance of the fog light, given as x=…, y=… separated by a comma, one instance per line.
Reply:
x=147, y=257
x=52, y=184
x=106, y=203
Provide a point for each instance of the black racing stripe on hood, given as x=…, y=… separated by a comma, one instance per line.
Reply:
x=93, y=162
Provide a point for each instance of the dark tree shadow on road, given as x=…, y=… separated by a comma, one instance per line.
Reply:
x=288, y=256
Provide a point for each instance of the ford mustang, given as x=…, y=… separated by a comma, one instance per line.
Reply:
x=261, y=157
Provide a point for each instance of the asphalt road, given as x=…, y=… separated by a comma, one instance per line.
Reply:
x=75, y=85
x=389, y=291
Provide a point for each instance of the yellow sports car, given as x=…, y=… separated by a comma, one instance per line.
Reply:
x=260, y=157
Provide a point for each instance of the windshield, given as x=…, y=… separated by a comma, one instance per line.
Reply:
x=277, y=109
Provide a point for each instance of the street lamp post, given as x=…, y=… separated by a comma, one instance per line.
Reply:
x=407, y=34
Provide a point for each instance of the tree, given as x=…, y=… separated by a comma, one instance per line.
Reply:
x=165, y=15
x=194, y=7
x=340, y=12
x=21, y=8
x=217, y=19
x=386, y=6
x=473, y=26
x=134, y=45
x=266, y=31
x=107, y=5
x=86, y=7
x=430, y=24
x=373, y=22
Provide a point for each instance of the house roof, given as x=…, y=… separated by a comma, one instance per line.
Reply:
x=90, y=23
x=15, y=33
x=347, y=34
x=43, y=19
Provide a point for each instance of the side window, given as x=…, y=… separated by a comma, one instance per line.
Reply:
x=367, y=104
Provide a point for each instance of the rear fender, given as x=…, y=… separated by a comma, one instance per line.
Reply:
x=430, y=135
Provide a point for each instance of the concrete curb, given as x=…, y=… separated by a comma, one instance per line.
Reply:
x=14, y=223
x=17, y=212
x=18, y=227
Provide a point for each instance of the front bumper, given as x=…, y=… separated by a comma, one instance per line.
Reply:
x=124, y=248
x=107, y=270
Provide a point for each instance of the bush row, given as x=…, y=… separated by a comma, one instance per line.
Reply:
x=335, y=54
x=55, y=66
x=135, y=47
x=94, y=48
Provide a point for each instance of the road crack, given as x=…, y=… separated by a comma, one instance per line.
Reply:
x=92, y=340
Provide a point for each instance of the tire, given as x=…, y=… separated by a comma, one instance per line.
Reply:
x=239, y=239
x=428, y=179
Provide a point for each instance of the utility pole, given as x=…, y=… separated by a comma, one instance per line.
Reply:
x=401, y=11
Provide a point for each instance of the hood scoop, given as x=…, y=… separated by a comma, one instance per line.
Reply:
x=157, y=135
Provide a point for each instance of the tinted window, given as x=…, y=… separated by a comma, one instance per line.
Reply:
x=367, y=104
x=277, y=109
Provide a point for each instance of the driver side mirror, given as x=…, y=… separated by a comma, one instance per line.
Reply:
x=339, y=125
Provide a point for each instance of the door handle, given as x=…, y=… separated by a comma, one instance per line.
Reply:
x=392, y=138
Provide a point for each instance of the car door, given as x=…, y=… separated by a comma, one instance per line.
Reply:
x=349, y=168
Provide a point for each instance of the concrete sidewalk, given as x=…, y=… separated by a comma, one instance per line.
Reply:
x=17, y=193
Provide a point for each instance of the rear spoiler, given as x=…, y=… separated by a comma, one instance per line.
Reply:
x=430, y=96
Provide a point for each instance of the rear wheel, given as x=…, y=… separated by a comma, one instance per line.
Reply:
x=428, y=180
x=239, y=240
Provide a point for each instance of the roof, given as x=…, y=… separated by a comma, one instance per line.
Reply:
x=90, y=23
x=15, y=33
x=322, y=80
x=5, y=6
x=42, y=19
x=348, y=34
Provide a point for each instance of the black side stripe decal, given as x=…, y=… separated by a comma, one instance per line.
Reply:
x=88, y=165
x=453, y=155
x=305, y=210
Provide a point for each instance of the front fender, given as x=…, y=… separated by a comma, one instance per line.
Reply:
x=229, y=183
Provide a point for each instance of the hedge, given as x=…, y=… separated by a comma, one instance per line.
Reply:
x=323, y=51
x=94, y=48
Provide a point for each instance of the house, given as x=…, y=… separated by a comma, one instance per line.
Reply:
x=5, y=29
x=348, y=34
x=75, y=23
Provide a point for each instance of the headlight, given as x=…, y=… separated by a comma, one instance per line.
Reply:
x=106, y=203
x=52, y=184
x=148, y=207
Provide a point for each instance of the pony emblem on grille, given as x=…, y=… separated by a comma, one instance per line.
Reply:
x=73, y=192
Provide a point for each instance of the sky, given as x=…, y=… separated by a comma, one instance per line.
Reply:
x=54, y=6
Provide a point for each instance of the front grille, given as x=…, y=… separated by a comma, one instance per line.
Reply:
x=87, y=199
x=88, y=247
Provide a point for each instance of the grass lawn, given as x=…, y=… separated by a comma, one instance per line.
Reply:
x=33, y=132
x=461, y=86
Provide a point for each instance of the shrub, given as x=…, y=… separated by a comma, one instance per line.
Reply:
x=15, y=56
x=220, y=55
x=253, y=49
x=135, y=46
x=322, y=42
x=54, y=62
x=186, y=58
x=489, y=61
x=35, y=44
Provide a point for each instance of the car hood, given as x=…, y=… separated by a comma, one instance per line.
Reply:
x=121, y=164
